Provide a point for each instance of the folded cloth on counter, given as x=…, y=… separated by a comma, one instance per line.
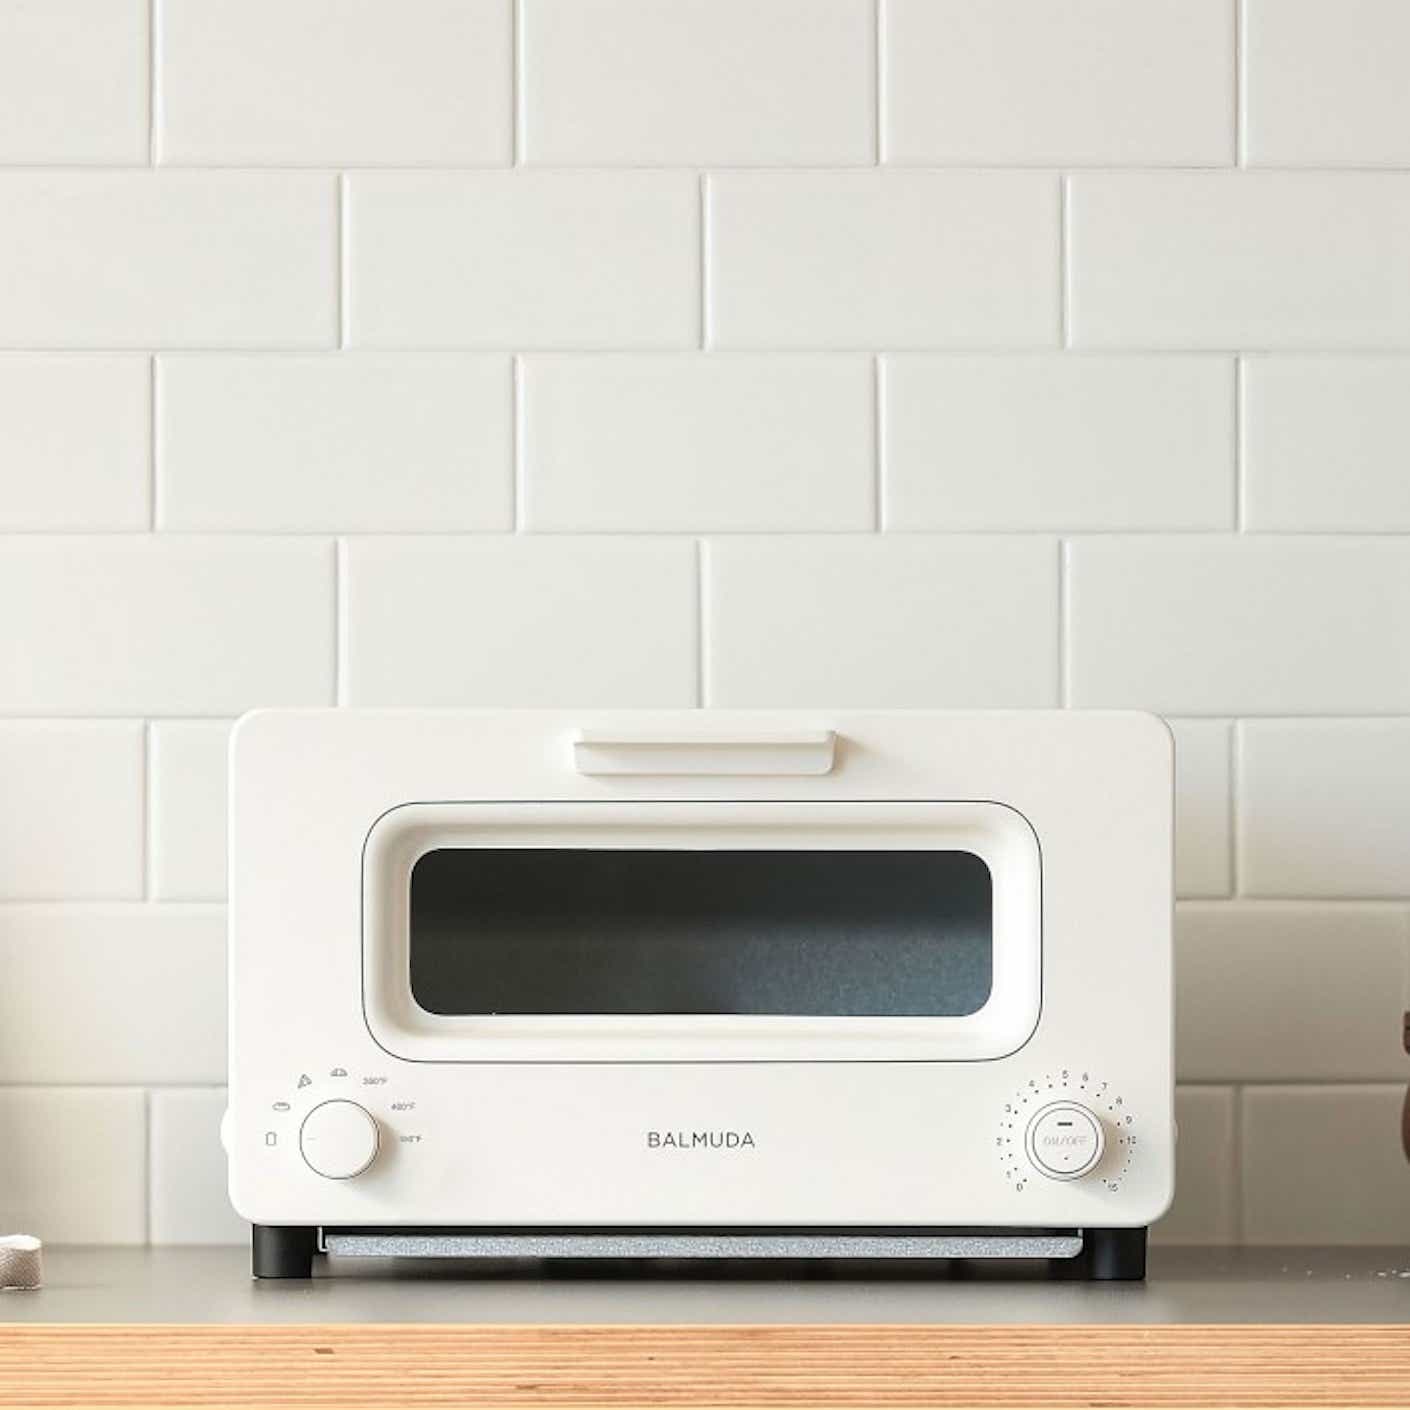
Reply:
x=21, y=1261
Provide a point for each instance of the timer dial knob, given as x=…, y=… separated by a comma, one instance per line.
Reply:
x=339, y=1139
x=1065, y=1140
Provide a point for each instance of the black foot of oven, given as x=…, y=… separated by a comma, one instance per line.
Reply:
x=282, y=1250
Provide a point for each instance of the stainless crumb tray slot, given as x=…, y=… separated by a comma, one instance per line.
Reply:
x=702, y=1245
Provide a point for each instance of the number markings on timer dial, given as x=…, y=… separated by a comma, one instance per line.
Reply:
x=1080, y=1087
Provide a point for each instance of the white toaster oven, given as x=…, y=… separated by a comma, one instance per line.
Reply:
x=682, y=983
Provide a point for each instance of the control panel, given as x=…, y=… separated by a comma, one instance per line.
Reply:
x=337, y=1123
x=1066, y=1125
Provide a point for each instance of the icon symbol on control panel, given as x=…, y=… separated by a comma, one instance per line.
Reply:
x=305, y=1080
x=271, y=1138
x=339, y=1072
x=281, y=1106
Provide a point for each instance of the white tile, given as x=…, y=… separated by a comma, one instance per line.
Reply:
x=73, y=1164
x=109, y=994
x=350, y=441
x=1226, y=626
x=135, y=625
x=1202, y=807
x=524, y=259
x=323, y=82
x=71, y=810
x=703, y=442
x=1094, y=82
x=512, y=621
x=1324, y=807
x=1323, y=1165
x=699, y=82
x=1326, y=442
x=1058, y=442
x=1249, y=259
x=893, y=259
x=189, y=765
x=1279, y=992
x=811, y=622
x=73, y=81
x=189, y=1202
x=75, y=444
x=1326, y=82
x=136, y=259
x=1205, y=1205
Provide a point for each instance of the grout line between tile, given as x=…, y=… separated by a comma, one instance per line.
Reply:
x=1317, y=170
x=1064, y=319
x=1063, y=609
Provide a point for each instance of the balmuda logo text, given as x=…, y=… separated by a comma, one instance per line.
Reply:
x=700, y=1140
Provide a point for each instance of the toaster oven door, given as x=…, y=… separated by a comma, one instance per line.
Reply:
x=702, y=932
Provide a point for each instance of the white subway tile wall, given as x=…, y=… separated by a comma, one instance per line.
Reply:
x=1323, y=1165
x=1327, y=83
x=187, y=768
x=1240, y=624
x=1204, y=259
x=564, y=259
x=323, y=82
x=1326, y=444
x=149, y=259
x=139, y=624
x=112, y=993
x=1204, y=857
x=75, y=442
x=1268, y=991
x=1081, y=83
x=1058, y=442
x=74, y=1159
x=876, y=260
x=790, y=352
x=918, y=621
x=1326, y=807
x=187, y=1169
x=514, y=620
x=72, y=824
x=677, y=443
x=74, y=82
x=357, y=442
x=1206, y=1204
x=699, y=82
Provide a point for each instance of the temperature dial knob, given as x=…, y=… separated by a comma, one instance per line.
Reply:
x=339, y=1139
x=1065, y=1140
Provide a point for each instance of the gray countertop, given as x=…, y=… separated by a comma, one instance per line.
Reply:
x=1185, y=1285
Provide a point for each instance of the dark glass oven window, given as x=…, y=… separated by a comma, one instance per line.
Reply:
x=589, y=931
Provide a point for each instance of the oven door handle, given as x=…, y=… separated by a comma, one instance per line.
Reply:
x=598, y=751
